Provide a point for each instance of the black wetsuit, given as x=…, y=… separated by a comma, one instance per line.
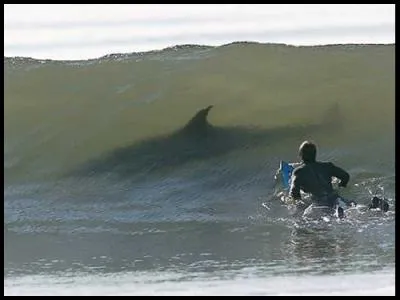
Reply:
x=315, y=178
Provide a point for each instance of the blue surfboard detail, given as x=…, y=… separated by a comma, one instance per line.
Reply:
x=286, y=171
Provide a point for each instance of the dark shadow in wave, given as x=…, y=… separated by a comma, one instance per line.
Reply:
x=198, y=140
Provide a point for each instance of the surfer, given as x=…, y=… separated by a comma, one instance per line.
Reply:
x=315, y=178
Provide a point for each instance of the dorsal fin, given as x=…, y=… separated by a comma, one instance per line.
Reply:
x=198, y=123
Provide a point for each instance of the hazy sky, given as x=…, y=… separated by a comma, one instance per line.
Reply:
x=80, y=31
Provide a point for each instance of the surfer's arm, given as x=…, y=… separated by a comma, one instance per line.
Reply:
x=295, y=164
x=340, y=174
x=294, y=191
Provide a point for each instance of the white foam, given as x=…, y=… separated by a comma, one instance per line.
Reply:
x=163, y=283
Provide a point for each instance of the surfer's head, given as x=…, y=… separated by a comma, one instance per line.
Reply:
x=308, y=151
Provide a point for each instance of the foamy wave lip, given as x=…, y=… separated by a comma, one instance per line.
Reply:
x=164, y=283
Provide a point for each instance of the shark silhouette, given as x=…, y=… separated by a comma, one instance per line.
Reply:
x=197, y=140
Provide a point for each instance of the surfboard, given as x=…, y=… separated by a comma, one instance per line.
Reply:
x=286, y=171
